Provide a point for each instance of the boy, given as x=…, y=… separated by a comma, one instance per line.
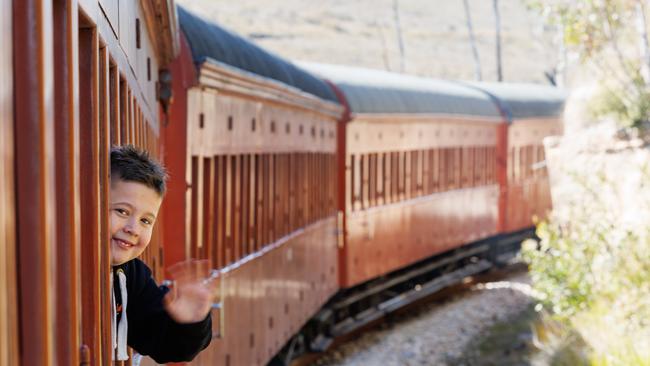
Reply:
x=167, y=327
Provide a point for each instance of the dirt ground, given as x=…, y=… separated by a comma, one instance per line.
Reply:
x=363, y=33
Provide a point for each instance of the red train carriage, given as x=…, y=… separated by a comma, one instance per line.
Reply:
x=84, y=76
x=421, y=169
x=252, y=155
x=533, y=112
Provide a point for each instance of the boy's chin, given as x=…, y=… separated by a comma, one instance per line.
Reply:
x=117, y=260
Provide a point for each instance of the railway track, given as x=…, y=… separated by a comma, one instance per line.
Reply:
x=392, y=320
x=355, y=310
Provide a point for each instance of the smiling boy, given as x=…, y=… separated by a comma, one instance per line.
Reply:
x=145, y=316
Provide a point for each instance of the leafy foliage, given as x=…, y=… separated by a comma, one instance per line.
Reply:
x=610, y=38
x=592, y=264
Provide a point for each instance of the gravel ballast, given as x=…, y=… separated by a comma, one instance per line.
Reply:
x=435, y=334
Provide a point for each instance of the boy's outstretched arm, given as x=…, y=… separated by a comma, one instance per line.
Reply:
x=154, y=331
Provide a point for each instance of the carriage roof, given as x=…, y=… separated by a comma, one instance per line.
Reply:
x=211, y=42
x=382, y=92
x=521, y=101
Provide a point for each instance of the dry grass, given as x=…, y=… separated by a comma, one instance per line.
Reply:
x=362, y=33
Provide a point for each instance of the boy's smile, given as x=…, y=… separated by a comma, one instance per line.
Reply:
x=133, y=209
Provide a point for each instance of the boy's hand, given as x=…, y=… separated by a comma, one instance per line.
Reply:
x=191, y=296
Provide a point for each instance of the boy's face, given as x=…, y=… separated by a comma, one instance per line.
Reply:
x=133, y=210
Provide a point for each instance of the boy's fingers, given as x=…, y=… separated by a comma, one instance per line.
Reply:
x=171, y=295
x=213, y=286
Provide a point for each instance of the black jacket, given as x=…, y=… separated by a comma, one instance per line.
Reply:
x=151, y=331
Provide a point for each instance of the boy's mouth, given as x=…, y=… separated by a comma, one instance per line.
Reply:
x=123, y=243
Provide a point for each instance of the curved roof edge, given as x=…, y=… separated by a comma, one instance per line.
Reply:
x=208, y=40
x=524, y=100
x=383, y=92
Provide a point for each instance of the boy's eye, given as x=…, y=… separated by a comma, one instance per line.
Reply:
x=121, y=211
x=146, y=221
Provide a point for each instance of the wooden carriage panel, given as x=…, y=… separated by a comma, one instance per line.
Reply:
x=404, y=233
x=374, y=133
x=9, y=311
x=64, y=189
x=90, y=174
x=34, y=178
x=147, y=70
x=407, y=185
x=116, y=23
x=527, y=193
x=68, y=299
x=128, y=30
x=237, y=125
x=111, y=10
x=441, y=156
x=103, y=146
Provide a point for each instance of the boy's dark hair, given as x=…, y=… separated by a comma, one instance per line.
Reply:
x=132, y=164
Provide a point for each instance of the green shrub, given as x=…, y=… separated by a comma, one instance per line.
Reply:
x=592, y=266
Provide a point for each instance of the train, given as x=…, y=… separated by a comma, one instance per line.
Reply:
x=324, y=196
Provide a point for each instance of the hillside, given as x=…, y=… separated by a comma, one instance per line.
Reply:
x=363, y=33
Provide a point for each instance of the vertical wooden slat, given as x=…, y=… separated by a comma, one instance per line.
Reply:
x=355, y=183
x=303, y=189
x=299, y=189
x=245, y=189
x=315, y=188
x=363, y=181
x=143, y=124
x=229, y=216
x=501, y=165
x=420, y=167
x=310, y=187
x=267, y=199
x=237, y=188
x=221, y=210
x=271, y=198
x=131, y=118
x=286, y=177
x=124, y=114
x=400, y=176
x=8, y=285
x=208, y=208
x=195, y=225
x=103, y=100
x=114, y=83
x=291, y=195
x=458, y=167
x=434, y=170
x=277, y=198
x=394, y=164
x=90, y=192
x=292, y=191
x=35, y=180
x=260, y=219
x=252, y=211
x=385, y=175
x=349, y=184
x=372, y=186
x=409, y=175
x=66, y=95
x=330, y=179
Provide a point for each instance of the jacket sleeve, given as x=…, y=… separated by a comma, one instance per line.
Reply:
x=151, y=331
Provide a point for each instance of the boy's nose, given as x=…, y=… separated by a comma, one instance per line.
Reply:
x=129, y=229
